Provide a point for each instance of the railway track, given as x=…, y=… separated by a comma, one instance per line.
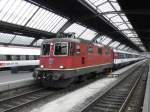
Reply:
x=116, y=99
x=17, y=101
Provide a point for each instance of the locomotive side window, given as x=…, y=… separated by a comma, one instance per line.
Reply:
x=100, y=51
x=61, y=48
x=46, y=49
x=90, y=50
x=107, y=51
x=77, y=49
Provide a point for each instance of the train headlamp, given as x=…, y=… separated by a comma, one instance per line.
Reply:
x=42, y=66
x=61, y=67
x=51, y=44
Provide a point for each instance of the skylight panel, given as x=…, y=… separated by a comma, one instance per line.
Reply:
x=23, y=40
x=76, y=28
x=114, y=44
x=59, y=25
x=111, y=15
x=98, y=2
x=123, y=26
x=125, y=18
x=116, y=6
x=88, y=34
x=121, y=46
x=6, y=38
x=106, y=41
x=106, y=7
x=127, y=32
x=119, y=20
x=116, y=19
x=126, y=48
x=135, y=39
x=101, y=38
x=47, y=21
x=17, y=11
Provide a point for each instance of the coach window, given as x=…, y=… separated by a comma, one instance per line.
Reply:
x=100, y=51
x=90, y=50
x=36, y=57
x=15, y=57
x=23, y=57
x=46, y=49
x=107, y=51
x=31, y=57
x=2, y=58
x=61, y=48
x=8, y=57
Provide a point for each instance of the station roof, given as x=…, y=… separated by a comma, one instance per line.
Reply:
x=29, y=22
x=138, y=12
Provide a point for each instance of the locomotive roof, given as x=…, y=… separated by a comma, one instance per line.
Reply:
x=76, y=40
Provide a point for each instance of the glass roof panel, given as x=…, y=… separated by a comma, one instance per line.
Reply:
x=38, y=42
x=106, y=7
x=116, y=19
x=98, y=2
x=106, y=41
x=22, y=40
x=126, y=48
x=88, y=34
x=76, y=28
x=47, y=21
x=101, y=38
x=116, y=5
x=114, y=44
x=121, y=46
x=123, y=26
x=135, y=39
x=59, y=25
x=6, y=38
x=109, y=10
x=17, y=11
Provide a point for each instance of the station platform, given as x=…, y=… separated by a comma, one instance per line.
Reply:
x=146, y=105
x=10, y=81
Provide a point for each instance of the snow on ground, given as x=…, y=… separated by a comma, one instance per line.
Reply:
x=75, y=98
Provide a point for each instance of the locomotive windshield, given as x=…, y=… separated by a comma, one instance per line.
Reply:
x=46, y=49
x=61, y=48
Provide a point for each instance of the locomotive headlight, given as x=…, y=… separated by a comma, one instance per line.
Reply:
x=42, y=66
x=61, y=67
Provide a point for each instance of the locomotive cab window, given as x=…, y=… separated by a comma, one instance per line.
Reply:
x=100, y=51
x=46, y=49
x=61, y=48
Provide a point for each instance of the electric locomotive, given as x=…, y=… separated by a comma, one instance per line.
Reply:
x=65, y=57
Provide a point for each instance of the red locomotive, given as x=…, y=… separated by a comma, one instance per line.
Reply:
x=63, y=59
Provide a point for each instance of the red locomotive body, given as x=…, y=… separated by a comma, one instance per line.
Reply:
x=63, y=59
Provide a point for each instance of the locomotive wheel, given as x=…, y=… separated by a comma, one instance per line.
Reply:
x=57, y=83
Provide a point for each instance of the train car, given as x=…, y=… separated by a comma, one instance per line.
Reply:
x=18, y=58
x=123, y=58
x=64, y=59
